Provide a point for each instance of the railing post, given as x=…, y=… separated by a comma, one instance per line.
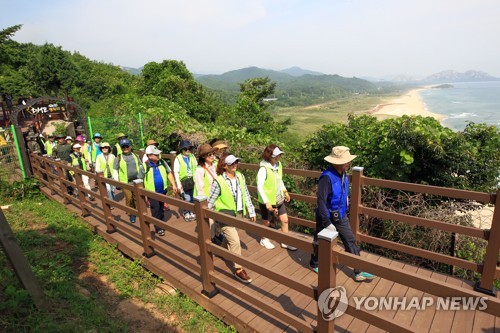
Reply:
x=206, y=257
x=356, y=193
x=51, y=175
x=326, y=275
x=62, y=177
x=103, y=192
x=142, y=208
x=491, y=257
x=82, y=196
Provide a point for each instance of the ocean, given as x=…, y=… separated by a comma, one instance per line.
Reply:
x=477, y=102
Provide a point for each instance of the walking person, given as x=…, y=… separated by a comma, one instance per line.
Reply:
x=95, y=148
x=157, y=175
x=128, y=168
x=204, y=176
x=331, y=213
x=184, y=168
x=229, y=195
x=272, y=193
x=62, y=151
x=50, y=144
x=76, y=160
x=104, y=163
x=117, y=150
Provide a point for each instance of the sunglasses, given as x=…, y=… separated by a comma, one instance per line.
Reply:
x=235, y=163
x=125, y=146
x=105, y=147
x=210, y=154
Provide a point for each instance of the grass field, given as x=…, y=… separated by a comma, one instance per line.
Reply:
x=308, y=119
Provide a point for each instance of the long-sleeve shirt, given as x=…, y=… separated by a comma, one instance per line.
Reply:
x=323, y=194
x=199, y=177
x=215, y=192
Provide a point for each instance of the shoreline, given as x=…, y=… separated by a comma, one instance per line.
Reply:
x=409, y=104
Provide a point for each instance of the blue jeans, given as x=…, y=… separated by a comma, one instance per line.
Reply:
x=188, y=196
x=346, y=236
x=111, y=191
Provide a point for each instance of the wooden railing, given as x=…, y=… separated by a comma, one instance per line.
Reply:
x=52, y=174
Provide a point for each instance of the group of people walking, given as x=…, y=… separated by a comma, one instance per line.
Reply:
x=214, y=174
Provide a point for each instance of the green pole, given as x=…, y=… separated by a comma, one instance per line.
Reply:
x=141, y=129
x=90, y=127
x=18, y=149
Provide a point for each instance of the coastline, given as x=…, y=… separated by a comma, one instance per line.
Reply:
x=409, y=104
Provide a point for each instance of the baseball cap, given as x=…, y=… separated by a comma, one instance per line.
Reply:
x=77, y=145
x=277, y=152
x=152, y=149
x=231, y=159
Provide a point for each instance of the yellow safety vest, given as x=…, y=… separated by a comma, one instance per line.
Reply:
x=226, y=199
x=271, y=183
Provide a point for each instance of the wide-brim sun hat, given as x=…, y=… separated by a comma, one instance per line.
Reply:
x=151, y=142
x=152, y=149
x=69, y=138
x=231, y=159
x=77, y=145
x=121, y=135
x=205, y=149
x=220, y=145
x=97, y=135
x=105, y=144
x=340, y=155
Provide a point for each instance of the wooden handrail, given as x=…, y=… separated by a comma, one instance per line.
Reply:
x=329, y=255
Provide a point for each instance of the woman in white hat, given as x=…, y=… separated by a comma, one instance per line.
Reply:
x=333, y=192
x=272, y=193
x=229, y=195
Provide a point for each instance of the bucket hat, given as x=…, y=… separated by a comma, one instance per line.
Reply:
x=185, y=144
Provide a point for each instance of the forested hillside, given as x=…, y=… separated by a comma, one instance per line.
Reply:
x=175, y=105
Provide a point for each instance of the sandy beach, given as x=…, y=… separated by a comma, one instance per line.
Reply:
x=408, y=104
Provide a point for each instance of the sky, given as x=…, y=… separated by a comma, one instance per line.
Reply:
x=362, y=38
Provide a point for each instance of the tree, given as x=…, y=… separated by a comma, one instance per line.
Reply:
x=250, y=109
x=171, y=79
x=52, y=70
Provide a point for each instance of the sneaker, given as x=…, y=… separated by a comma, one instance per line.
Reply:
x=192, y=216
x=363, y=276
x=91, y=198
x=161, y=232
x=166, y=206
x=243, y=276
x=132, y=218
x=314, y=269
x=187, y=216
x=288, y=247
x=266, y=243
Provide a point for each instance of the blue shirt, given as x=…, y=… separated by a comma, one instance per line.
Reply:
x=158, y=180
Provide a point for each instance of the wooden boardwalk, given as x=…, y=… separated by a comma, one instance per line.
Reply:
x=178, y=261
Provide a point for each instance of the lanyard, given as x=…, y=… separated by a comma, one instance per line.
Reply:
x=234, y=192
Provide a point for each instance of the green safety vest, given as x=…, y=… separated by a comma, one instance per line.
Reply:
x=118, y=149
x=270, y=184
x=101, y=165
x=93, y=151
x=183, y=170
x=206, y=184
x=74, y=163
x=226, y=200
x=48, y=147
x=149, y=179
x=122, y=168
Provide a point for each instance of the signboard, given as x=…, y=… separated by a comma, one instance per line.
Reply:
x=42, y=108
